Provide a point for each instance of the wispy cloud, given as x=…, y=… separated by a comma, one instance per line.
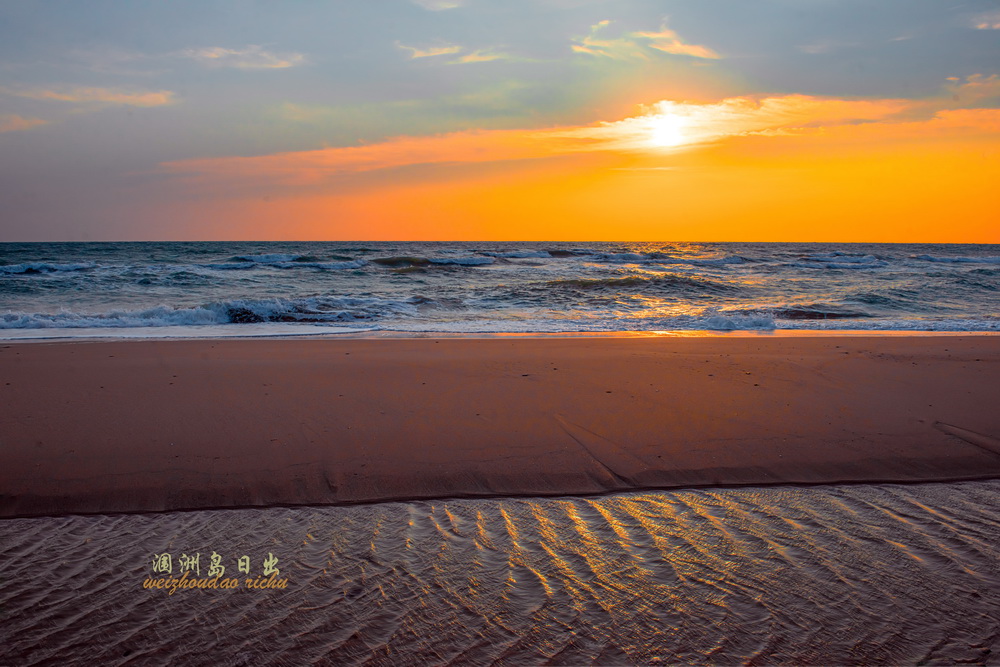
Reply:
x=438, y=5
x=480, y=56
x=97, y=96
x=476, y=56
x=15, y=123
x=695, y=124
x=638, y=45
x=668, y=41
x=430, y=51
x=975, y=89
x=315, y=166
x=689, y=124
x=493, y=106
x=249, y=57
x=987, y=21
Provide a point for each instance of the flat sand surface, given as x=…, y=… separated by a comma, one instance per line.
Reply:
x=127, y=426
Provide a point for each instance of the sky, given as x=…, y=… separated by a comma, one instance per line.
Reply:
x=589, y=120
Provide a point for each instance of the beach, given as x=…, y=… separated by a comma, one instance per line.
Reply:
x=159, y=425
x=875, y=574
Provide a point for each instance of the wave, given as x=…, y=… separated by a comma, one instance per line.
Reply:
x=735, y=322
x=840, y=260
x=401, y=262
x=959, y=260
x=463, y=261
x=816, y=313
x=406, y=261
x=709, y=321
x=810, y=311
x=521, y=254
x=316, y=309
x=669, y=280
x=303, y=262
x=661, y=258
x=45, y=267
x=269, y=258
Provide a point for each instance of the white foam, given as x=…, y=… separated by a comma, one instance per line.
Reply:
x=248, y=311
x=960, y=260
x=272, y=258
x=866, y=262
x=186, y=332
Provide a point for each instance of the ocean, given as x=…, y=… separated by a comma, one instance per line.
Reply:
x=59, y=290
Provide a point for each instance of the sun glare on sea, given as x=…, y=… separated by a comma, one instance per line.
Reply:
x=666, y=130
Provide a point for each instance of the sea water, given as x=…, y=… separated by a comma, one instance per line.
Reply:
x=242, y=288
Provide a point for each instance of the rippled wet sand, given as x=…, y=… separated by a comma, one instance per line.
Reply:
x=883, y=574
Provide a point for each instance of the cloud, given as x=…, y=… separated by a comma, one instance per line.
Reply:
x=691, y=124
x=479, y=56
x=975, y=89
x=499, y=104
x=250, y=57
x=438, y=5
x=308, y=167
x=668, y=41
x=703, y=123
x=15, y=123
x=686, y=126
x=639, y=45
x=987, y=21
x=429, y=52
x=618, y=49
x=99, y=96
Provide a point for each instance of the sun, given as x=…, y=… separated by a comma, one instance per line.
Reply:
x=666, y=130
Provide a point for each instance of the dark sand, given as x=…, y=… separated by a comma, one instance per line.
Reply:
x=95, y=427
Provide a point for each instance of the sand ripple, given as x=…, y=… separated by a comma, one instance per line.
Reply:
x=882, y=574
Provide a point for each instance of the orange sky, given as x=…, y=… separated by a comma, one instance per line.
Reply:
x=521, y=120
x=757, y=169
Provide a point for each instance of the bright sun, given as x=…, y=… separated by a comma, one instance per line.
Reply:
x=666, y=130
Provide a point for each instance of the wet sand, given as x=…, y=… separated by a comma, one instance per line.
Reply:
x=832, y=575
x=126, y=426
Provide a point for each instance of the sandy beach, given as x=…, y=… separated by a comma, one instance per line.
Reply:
x=138, y=426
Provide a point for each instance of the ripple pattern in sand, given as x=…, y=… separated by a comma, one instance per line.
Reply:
x=882, y=574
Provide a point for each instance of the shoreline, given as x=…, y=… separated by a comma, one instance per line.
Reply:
x=168, y=425
x=407, y=335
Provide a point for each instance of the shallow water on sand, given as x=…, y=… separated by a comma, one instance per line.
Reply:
x=864, y=574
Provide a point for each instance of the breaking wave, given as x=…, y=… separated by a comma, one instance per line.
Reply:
x=405, y=261
x=316, y=309
x=45, y=267
x=959, y=260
